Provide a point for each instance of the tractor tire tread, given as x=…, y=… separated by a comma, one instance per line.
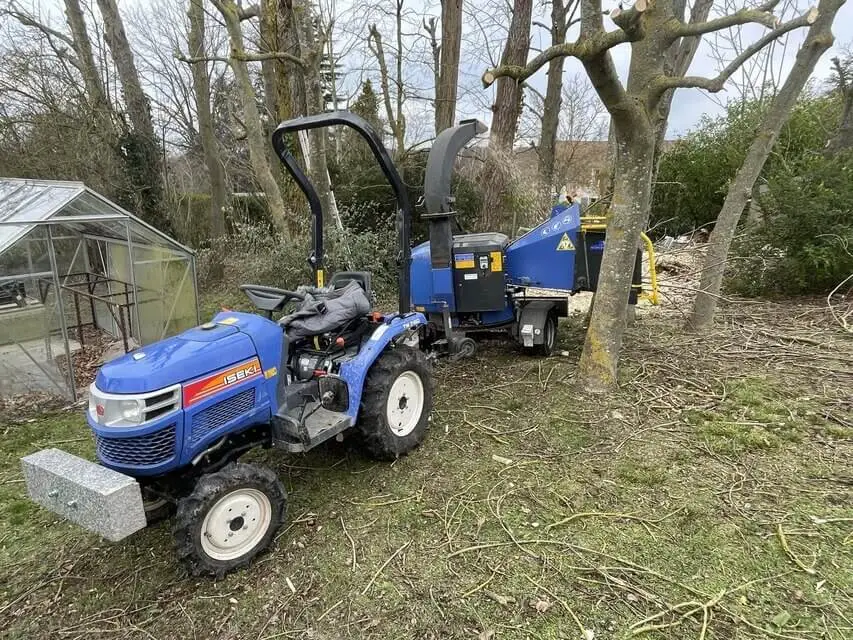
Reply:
x=376, y=436
x=208, y=489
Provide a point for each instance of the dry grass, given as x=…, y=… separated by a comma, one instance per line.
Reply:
x=710, y=498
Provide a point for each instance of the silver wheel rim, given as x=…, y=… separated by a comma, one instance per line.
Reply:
x=405, y=403
x=235, y=524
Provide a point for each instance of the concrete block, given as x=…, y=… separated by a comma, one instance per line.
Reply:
x=96, y=498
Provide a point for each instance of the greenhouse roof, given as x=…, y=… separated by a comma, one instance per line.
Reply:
x=26, y=204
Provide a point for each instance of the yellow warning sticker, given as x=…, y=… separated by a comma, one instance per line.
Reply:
x=497, y=261
x=269, y=373
x=231, y=320
x=565, y=243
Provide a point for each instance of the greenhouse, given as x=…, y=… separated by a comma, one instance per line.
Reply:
x=81, y=281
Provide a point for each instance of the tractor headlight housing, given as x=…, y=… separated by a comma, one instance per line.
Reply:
x=125, y=410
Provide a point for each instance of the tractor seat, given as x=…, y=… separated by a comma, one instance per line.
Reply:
x=322, y=313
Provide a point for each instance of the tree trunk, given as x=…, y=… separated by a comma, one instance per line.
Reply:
x=138, y=108
x=201, y=86
x=843, y=138
x=495, y=175
x=818, y=40
x=141, y=149
x=396, y=120
x=448, y=71
x=83, y=49
x=508, y=94
x=628, y=217
x=252, y=118
x=268, y=42
x=553, y=98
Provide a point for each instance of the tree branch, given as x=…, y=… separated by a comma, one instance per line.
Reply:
x=29, y=21
x=716, y=84
x=583, y=48
x=244, y=57
x=761, y=15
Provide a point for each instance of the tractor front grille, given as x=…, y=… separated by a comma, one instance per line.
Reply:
x=138, y=451
x=218, y=414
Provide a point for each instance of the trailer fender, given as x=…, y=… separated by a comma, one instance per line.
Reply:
x=531, y=322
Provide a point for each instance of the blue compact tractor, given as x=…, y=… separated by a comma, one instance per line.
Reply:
x=171, y=419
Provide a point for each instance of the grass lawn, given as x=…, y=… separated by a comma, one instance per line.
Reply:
x=711, y=497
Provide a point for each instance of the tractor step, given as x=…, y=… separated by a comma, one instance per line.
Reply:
x=321, y=425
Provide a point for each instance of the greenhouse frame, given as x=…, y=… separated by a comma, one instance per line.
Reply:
x=82, y=281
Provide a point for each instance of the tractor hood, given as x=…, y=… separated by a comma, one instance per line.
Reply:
x=184, y=357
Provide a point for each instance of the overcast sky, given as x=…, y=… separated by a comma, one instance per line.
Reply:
x=688, y=107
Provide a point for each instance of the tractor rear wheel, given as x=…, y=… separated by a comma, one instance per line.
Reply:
x=229, y=518
x=396, y=403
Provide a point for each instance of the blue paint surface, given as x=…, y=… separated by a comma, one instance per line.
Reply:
x=533, y=259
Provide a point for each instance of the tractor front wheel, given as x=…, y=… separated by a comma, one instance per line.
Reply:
x=229, y=518
x=396, y=403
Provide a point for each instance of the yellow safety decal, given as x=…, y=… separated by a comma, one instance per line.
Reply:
x=565, y=243
x=231, y=320
x=321, y=278
x=269, y=373
x=419, y=308
x=464, y=264
x=497, y=261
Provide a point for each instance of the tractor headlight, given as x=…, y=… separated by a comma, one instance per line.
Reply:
x=115, y=411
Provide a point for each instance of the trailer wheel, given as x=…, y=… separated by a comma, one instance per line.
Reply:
x=396, y=403
x=229, y=518
x=549, y=338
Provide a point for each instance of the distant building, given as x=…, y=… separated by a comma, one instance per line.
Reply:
x=580, y=165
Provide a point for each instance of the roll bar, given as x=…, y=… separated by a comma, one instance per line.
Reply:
x=404, y=208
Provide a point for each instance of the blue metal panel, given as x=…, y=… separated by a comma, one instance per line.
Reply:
x=229, y=423
x=431, y=288
x=171, y=361
x=147, y=450
x=193, y=353
x=421, y=275
x=534, y=259
x=502, y=316
x=355, y=371
x=267, y=336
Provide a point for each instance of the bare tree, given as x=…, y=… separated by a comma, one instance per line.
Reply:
x=554, y=92
x=393, y=112
x=843, y=138
x=233, y=16
x=818, y=40
x=201, y=85
x=508, y=95
x=633, y=107
x=446, y=61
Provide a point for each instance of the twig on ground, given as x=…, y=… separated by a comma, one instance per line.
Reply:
x=384, y=564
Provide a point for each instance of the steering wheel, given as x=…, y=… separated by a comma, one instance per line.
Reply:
x=269, y=298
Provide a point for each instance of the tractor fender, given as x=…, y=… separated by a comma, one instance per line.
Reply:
x=531, y=322
x=354, y=371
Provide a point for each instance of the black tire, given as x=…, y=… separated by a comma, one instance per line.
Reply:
x=549, y=338
x=156, y=508
x=214, y=494
x=467, y=348
x=378, y=435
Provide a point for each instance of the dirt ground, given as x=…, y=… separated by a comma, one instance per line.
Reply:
x=710, y=497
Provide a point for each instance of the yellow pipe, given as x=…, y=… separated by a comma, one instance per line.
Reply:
x=650, y=249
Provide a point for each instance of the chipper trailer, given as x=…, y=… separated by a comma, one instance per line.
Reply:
x=171, y=419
